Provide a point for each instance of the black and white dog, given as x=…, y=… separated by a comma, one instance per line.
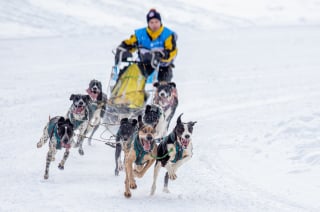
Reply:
x=97, y=106
x=166, y=96
x=79, y=117
x=173, y=151
x=124, y=137
x=59, y=131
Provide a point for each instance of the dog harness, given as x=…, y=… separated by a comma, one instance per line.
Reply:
x=140, y=153
x=76, y=123
x=53, y=131
x=179, y=149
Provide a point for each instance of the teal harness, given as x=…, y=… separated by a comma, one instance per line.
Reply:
x=179, y=149
x=76, y=123
x=53, y=131
x=140, y=153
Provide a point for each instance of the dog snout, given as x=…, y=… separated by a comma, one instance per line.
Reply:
x=65, y=140
x=81, y=103
x=187, y=136
x=149, y=137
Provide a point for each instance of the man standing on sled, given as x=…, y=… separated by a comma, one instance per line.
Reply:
x=153, y=38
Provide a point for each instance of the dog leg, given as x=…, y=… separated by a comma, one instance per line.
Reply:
x=92, y=133
x=65, y=157
x=54, y=152
x=117, y=158
x=172, y=175
x=79, y=143
x=155, y=176
x=44, y=137
x=141, y=173
x=166, y=182
x=129, y=181
x=48, y=161
x=179, y=163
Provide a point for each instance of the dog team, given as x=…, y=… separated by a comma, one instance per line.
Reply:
x=145, y=141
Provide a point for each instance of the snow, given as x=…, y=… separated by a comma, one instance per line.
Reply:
x=247, y=73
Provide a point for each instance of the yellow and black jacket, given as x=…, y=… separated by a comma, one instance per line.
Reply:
x=164, y=39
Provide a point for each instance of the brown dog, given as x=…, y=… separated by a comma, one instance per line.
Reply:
x=142, y=153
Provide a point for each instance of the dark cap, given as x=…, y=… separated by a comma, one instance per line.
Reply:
x=153, y=13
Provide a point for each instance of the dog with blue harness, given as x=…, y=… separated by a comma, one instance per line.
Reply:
x=142, y=153
x=59, y=131
x=173, y=151
x=79, y=117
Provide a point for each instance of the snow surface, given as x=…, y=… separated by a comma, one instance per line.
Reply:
x=247, y=72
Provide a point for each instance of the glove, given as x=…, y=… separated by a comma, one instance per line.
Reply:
x=122, y=55
x=156, y=59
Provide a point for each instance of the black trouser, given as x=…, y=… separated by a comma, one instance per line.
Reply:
x=165, y=73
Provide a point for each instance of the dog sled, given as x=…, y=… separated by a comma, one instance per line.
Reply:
x=130, y=86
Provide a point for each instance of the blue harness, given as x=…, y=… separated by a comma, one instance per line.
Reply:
x=140, y=153
x=53, y=131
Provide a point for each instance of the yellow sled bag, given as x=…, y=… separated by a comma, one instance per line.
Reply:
x=129, y=89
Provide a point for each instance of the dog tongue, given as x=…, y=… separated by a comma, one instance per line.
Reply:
x=78, y=110
x=67, y=146
x=184, y=142
x=146, y=146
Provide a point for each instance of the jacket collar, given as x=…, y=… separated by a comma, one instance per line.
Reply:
x=156, y=34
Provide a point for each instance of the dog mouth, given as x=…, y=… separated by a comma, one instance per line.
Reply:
x=78, y=109
x=66, y=145
x=146, y=144
x=184, y=142
x=93, y=94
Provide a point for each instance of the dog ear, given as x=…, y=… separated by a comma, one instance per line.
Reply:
x=193, y=123
x=172, y=84
x=156, y=84
x=87, y=98
x=140, y=121
x=179, y=119
x=72, y=96
x=69, y=123
x=134, y=122
x=100, y=85
x=61, y=120
x=124, y=120
x=148, y=108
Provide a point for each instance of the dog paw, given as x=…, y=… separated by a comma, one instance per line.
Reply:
x=61, y=166
x=46, y=176
x=133, y=185
x=120, y=166
x=127, y=194
x=39, y=144
x=172, y=176
x=81, y=152
x=116, y=172
x=166, y=190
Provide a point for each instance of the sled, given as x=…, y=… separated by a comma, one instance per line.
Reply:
x=128, y=91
